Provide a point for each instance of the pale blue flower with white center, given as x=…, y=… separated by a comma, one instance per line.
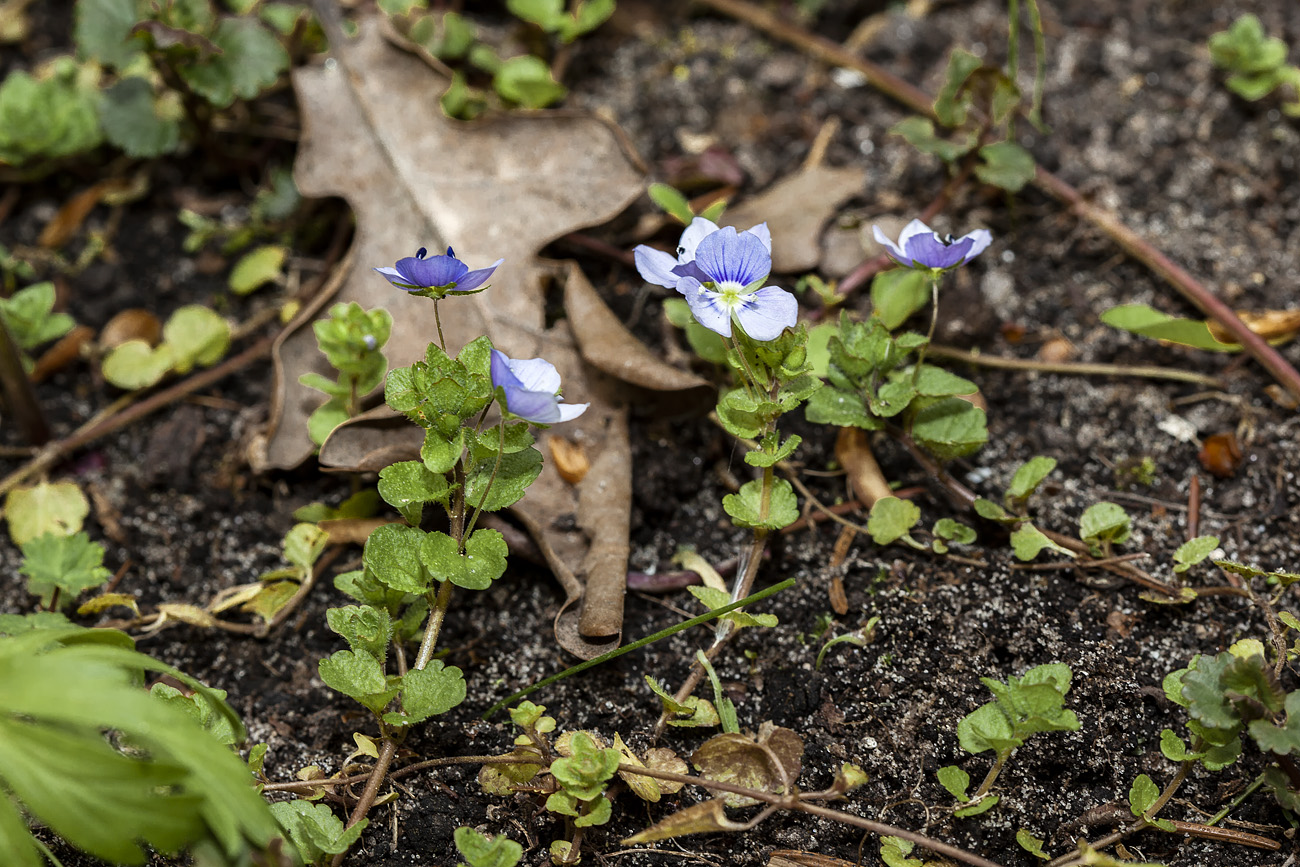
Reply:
x=724, y=284
x=436, y=275
x=664, y=269
x=532, y=387
x=921, y=247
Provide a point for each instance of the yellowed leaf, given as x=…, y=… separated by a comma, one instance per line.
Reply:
x=702, y=818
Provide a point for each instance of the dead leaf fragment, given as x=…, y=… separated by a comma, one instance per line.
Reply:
x=351, y=531
x=1275, y=326
x=63, y=352
x=134, y=323
x=764, y=762
x=570, y=459
x=795, y=209
x=853, y=451
x=59, y=230
x=1056, y=351
x=702, y=818
x=797, y=858
x=1221, y=455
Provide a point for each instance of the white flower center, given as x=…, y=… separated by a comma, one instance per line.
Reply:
x=729, y=293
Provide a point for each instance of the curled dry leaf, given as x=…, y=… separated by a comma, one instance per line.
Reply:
x=1221, y=455
x=1275, y=326
x=797, y=858
x=133, y=323
x=59, y=230
x=570, y=458
x=65, y=351
x=702, y=818
x=853, y=451
x=795, y=209
x=501, y=188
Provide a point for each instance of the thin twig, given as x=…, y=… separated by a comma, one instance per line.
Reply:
x=999, y=362
x=113, y=420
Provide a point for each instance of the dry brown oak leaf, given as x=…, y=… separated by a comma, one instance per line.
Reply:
x=373, y=133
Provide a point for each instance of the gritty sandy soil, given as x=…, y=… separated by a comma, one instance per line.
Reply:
x=1143, y=124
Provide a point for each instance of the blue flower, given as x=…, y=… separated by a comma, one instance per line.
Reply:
x=921, y=247
x=532, y=387
x=720, y=272
x=436, y=275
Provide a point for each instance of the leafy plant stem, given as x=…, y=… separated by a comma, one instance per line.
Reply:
x=437, y=613
x=929, y=335
x=1075, y=369
x=377, y=774
x=19, y=396
x=998, y=764
x=437, y=318
x=751, y=381
x=496, y=467
x=923, y=104
x=638, y=644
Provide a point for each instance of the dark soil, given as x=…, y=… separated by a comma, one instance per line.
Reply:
x=1141, y=122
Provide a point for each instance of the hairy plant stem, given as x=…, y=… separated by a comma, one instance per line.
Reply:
x=437, y=318
x=441, y=601
x=998, y=764
x=638, y=644
x=744, y=583
x=496, y=467
x=929, y=335
x=386, y=752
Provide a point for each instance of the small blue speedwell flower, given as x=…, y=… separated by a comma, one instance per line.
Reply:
x=921, y=247
x=437, y=275
x=532, y=387
x=721, y=273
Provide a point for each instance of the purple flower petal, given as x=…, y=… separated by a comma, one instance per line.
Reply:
x=531, y=386
x=911, y=230
x=690, y=269
x=769, y=311
x=705, y=306
x=729, y=257
x=433, y=271
x=762, y=233
x=930, y=252
x=920, y=247
x=475, y=279
x=655, y=266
